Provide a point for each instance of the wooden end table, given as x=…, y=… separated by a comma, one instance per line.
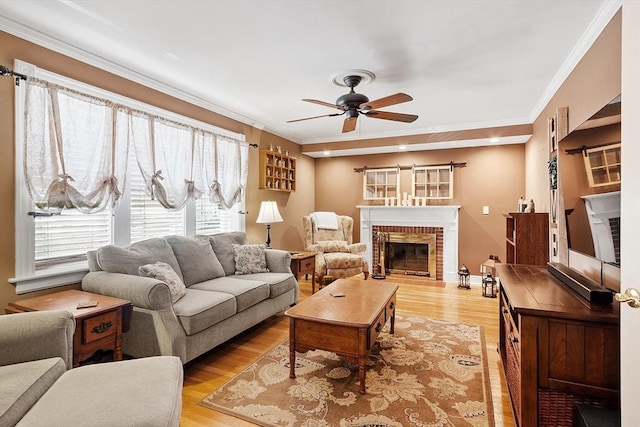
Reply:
x=304, y=263
x=347, y=325
x=97, y=328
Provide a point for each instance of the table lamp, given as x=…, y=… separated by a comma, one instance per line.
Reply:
x=268, y=215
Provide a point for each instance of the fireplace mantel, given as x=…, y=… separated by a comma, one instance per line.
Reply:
x=417, y=216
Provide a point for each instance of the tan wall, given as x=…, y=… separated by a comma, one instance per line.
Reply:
x=594, y=82
x=494, y=176
x=292, y=206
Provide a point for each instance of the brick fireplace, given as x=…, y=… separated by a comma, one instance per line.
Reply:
x=409, y=250
x=418, y=225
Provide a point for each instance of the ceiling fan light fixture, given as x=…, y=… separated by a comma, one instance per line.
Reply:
x=353, y=104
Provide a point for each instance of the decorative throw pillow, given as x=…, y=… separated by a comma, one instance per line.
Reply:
x=250, y=259
x=333, y=246
x=163, y=272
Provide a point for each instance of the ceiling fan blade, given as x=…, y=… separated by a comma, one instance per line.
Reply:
x=385, y=115
x=325, y=104
x=315, y=117
x=398, y=98
x=349, y=124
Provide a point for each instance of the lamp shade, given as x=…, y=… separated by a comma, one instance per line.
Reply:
x=268, y=213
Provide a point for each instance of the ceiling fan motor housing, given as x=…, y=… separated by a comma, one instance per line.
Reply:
x=351, y=99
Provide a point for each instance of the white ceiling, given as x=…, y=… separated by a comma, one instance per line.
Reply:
x=467, y=64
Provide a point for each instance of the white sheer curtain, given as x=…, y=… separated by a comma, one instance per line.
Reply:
x=75, y=149
x=168, y=156
x=226, y=165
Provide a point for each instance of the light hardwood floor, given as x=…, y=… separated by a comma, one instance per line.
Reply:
x=416, y=296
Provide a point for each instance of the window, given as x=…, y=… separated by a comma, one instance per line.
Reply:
x=379, y=184
x=603, y=165
x=432, y=182
x=51, y=249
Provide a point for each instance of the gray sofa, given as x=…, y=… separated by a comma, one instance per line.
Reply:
x=223, y=294
x=38, y=388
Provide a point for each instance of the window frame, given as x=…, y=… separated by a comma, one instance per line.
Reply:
x=371, y=191
x=27, y=277
x=444, y=189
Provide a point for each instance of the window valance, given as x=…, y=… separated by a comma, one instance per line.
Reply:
x=77, y=145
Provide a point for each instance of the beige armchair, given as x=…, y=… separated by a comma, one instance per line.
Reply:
x=336, y=255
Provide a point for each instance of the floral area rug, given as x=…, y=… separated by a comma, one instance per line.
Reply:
x=429, y=373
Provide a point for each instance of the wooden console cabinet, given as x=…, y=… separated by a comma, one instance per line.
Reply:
x=527, y=238
x=557, y=349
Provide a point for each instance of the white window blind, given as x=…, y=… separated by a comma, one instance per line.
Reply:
x=68, y=236
x=148, y=218
x=210, y=219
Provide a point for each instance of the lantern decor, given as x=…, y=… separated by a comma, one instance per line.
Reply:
x=489, y=283
x=489, y=286
x=463, y=277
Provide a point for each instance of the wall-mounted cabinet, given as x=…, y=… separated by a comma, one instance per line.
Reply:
x=603, y=165
x=277, y=171
x=432, y=182
x=379, y=184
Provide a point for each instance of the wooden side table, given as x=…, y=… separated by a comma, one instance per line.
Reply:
x=97, y=328
x=304, y=263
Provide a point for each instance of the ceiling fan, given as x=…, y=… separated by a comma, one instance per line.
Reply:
x=354, y=104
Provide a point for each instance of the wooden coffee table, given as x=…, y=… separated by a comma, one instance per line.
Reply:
x=346, y=325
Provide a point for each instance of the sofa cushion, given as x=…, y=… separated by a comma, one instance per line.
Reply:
x=279, y=283
x=333, y=246
x=127, y=260
x=246, y=292
x=163, y=272
x=250, y=259
x=139, y=392
x=197, y=309
x=222, y=246
x=23, y=384
x=197, y=260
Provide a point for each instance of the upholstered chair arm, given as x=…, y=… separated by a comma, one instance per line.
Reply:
x=36, y=335
x=278, y=261
x=143, y=292
x=313, y=248
x=358, y=248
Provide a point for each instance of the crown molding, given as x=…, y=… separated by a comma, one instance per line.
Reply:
x=593, y=31
x=35, y=36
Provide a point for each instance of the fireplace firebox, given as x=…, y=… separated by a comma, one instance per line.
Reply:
x=407, y=253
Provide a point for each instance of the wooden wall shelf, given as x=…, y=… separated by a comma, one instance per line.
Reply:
x=277, y=171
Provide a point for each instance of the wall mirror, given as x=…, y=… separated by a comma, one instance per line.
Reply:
x=589, y=165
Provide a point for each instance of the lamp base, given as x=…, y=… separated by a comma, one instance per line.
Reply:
x=268, y=242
